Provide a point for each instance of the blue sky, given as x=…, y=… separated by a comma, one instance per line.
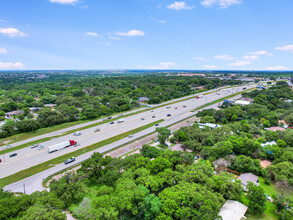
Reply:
x=146, y=34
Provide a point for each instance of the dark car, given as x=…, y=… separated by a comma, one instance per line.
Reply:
x=153, y=116
x=13, y=155
x=69, y=160
x=112, y=122
x=184, y=106
x=168, y=115
x=109, y=117
x=0, y=160
x=156, y=124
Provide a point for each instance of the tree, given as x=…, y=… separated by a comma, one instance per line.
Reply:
x=159, y=165
x=149, y=151
x=245, y=164
x=39, y=212
x=256, y=198
x=69, y=189
x=207, y=119
x=27, y=125
x=189, y=201
x=234, y=117
x=289, y=119
x=164, y=134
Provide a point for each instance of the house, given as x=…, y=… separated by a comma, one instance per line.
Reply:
x=143, y=99
x=52, y=106
x=244, y=101
x=233, y=210
x=248, y=177
x=210, y=125
x=268, y=143
x=288, y=100
x=283, y=124
x=276, y=129
x=14, y=113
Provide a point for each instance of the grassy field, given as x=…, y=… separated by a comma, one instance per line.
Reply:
x=48, y=164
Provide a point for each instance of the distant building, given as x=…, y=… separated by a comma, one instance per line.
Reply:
x=52, y=106
x=210, y=125
x=233, y=210
x=248, y=177
x=244, y=101
x=276, y=129
x=143, y=99
x=268, y=143
x=283, y=123
x=14, y=113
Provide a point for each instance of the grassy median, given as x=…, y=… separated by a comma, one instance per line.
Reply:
x=48, y=164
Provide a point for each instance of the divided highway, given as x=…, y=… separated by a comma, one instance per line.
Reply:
x=28, y=157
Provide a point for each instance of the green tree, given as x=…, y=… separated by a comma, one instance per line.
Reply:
x=256, y=198
x=163, y=134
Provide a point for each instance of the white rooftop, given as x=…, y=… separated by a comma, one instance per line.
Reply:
x=233, y=210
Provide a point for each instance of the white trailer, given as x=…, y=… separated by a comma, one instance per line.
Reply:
x=61, y=146
x=120, y=120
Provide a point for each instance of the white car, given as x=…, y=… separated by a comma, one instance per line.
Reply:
x=76, y=133
x=41, y=147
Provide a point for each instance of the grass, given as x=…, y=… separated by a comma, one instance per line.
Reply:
x=48, y=164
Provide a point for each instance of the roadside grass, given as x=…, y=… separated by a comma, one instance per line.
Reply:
x=48, y=164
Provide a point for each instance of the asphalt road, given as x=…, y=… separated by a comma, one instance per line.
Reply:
x=34, y=183
x=29, y=157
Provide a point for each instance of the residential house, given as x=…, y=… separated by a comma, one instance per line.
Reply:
x=233, y=210
x=14, y=113
x=248, y=177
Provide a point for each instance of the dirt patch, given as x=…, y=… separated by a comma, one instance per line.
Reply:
x=265, y=163
x=59, y=176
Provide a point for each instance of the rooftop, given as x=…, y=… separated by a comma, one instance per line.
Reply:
x=246, y=177
x=233, y=210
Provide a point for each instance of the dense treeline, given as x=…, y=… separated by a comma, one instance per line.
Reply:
x=87, y=97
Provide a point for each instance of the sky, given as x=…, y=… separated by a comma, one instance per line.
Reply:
x=146, y=34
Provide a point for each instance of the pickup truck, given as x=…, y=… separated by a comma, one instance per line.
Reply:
x=70, y=160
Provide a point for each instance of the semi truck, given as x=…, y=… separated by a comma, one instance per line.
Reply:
x=120, y=120
x=61, y=145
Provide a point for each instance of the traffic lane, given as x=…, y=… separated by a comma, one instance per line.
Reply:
x=60, y=132
x=199, y=102
x=34, y=183
x=42, y=160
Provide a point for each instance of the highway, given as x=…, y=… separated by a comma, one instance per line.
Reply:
x=34, y=183
x=28, y=157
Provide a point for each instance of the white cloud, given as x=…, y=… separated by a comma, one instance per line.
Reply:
x=220, y=3
x=285, y=48
x=200, y=59
x=3, y=51
x=179, y=6
x=168, y=64
x=260, y=53
x=131, y=33
x=12, y=32
x=277, y=68
x=11, y=66
x=114, y=38
x=159, y=21
x=240, y=63
x=68, y=2
x=104, y=44
x=251, y=58
x=224, y=57
x=92, y=34
x=210, y=66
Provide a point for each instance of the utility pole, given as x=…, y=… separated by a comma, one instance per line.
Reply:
x=23, y=188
